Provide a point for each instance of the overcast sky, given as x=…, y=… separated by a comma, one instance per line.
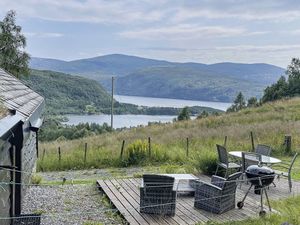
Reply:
x=205, y=31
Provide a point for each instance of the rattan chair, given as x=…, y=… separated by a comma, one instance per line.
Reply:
x=158, y=195
x=224, y=162
x=27, y=219
x=217, y=196
x=263, y=150
x=288, y=167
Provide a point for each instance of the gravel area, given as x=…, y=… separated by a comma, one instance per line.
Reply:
x=69, y=205
x=73, y=203
x=94, y=174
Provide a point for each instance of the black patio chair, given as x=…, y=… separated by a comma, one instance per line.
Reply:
x=248, y=159
x=288, y=170
x=263, y=150
x=158, y=195
x=224, y=162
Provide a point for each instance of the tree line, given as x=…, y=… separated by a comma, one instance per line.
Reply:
x=287, y=86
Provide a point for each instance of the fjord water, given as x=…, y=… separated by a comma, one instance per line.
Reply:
x=119, y=120
x=169, y=102
x=135, y=120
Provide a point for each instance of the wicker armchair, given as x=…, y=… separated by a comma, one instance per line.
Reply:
x=217, y=196
x=158, y=195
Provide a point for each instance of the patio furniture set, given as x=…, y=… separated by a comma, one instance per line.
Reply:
x=158, y=193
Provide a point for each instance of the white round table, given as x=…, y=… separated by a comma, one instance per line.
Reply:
x=264, y=159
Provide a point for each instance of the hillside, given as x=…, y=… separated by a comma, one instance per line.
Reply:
x=185, y=83
x=269, y=123
x=138, y=76
x=67, y=94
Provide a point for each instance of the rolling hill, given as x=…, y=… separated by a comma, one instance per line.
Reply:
x=67, y=94
x=156, y=78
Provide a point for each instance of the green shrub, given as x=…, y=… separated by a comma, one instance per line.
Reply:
x=206, y=162
x=137, y=152
x=36, y=179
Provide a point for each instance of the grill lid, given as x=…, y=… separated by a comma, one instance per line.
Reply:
x=256, y=170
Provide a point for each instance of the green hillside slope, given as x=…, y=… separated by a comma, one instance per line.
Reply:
x=269, y=123
x=186, y=83
x=67, y=94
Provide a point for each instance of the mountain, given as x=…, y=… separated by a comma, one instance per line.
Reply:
x=156, y=78
x=98, y=68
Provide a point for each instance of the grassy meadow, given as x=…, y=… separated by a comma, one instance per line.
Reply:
x=269, y=123
x=289, y=212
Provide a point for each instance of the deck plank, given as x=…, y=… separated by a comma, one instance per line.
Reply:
x=125, y=196
x=130, y=219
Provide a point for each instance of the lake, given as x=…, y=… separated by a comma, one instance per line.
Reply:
x=169, y=102
x=119, y=120
x=135, y=120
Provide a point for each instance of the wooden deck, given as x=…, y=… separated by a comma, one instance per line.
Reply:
x=124, y=195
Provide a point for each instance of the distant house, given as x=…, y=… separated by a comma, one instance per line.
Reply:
x=18, y=141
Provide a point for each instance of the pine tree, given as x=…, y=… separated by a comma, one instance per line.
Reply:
x=184, y=114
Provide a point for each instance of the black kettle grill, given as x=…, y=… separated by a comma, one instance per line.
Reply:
x=260, y=177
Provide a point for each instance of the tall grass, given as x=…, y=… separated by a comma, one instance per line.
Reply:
x=269, y=123
x=289, y=212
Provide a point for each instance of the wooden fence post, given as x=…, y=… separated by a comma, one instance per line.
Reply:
x=44, y=152
x=252, y=140
x=225, y=141
x=59, y=155
x=149, y=146
x=85, y=151
x=187, y=146
x=122, y=149
x=288, y=143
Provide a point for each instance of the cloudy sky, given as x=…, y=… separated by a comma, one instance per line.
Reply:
x=206, y=31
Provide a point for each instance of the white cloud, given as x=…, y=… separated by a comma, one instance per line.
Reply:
x=262, y=10
x=183, y=31
x=264, y=48
x=134, y=11
x=275, y=15
x=43, y=35
x=295, y=32
x=188, y=32
x=91, y=11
